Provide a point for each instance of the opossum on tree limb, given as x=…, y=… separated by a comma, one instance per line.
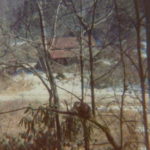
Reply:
x=83, y=109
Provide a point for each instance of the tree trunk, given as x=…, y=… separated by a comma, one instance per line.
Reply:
x=147, y=16
x=141, y=74
x=47, y=60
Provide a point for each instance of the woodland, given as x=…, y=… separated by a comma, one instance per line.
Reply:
x=74, y=74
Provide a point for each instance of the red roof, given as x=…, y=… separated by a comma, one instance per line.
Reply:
x=65, y=43
x=66, y=47
x=68, y=43
x=57, y=54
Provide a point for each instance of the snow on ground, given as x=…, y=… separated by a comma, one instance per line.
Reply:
x=37, y=91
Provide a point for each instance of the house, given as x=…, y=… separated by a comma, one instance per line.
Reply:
x=64, y=57
x=66, y=49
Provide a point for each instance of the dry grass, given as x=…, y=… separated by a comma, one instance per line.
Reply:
x=9, y=123
x=10, y=86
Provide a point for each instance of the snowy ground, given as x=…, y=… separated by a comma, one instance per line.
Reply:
x=29, y=87
x=37, y=91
